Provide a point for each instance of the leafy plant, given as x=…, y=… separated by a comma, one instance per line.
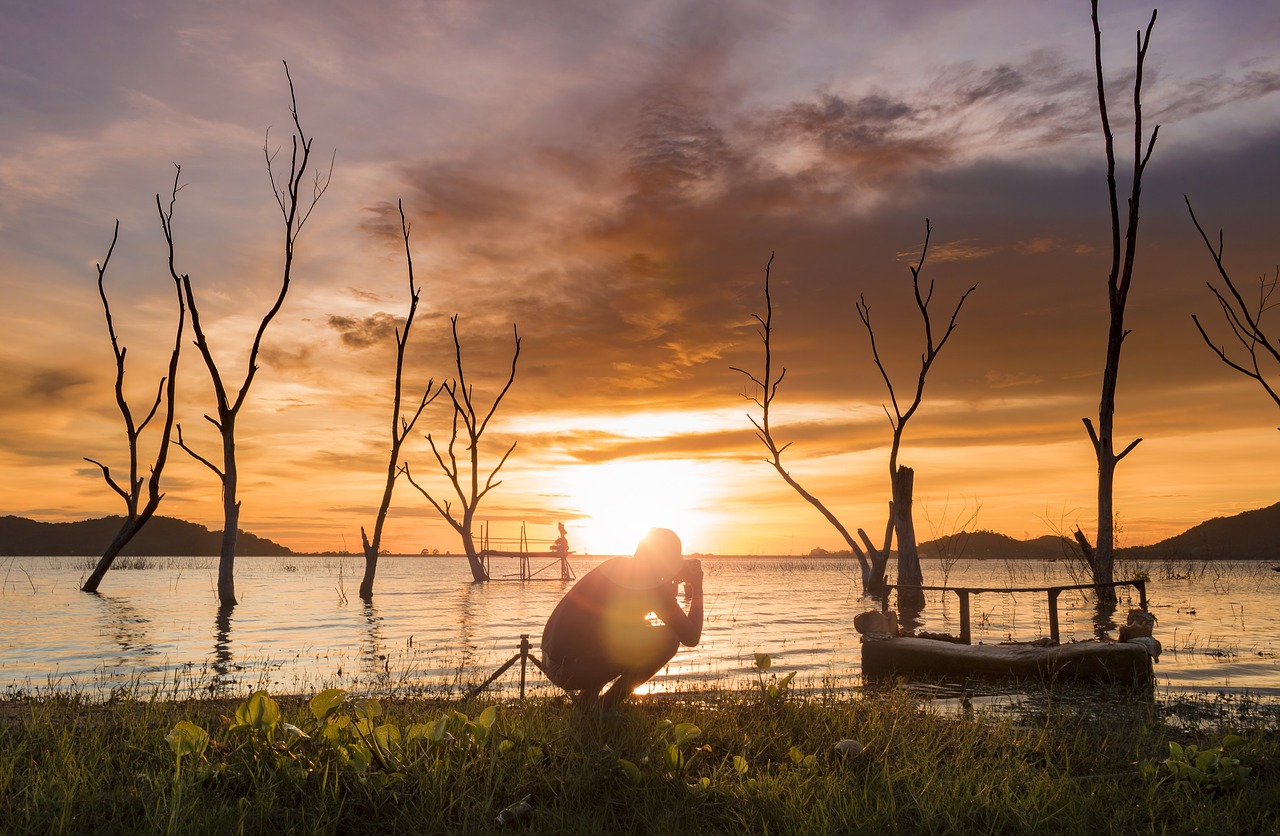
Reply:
x=774, y=690
x=1205, y=769
x=357, y=741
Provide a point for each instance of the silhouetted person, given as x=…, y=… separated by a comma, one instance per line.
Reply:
x=598, y=632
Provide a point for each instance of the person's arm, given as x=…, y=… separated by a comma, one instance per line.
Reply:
x=686, y=626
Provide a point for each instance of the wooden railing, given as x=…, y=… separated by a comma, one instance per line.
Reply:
x=964, y=592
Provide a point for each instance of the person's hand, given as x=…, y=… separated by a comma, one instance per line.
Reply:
x=692, y=574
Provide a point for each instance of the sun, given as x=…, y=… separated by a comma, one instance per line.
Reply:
x=620, y=501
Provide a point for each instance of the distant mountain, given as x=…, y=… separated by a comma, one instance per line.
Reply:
x=988, y=545
x=1251, y=535
x=160, y=536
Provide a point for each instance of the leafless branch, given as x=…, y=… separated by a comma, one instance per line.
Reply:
x=768, y=388
x=1243, y=317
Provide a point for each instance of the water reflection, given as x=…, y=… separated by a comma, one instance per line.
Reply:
x=466, y=603
x=127, y=628
x=1104, y=613
x=223, y=664
x=373, y=660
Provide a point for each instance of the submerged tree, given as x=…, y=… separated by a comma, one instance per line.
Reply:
x=135, y=517
x=295, y=210
x=1101, y=556
x=401, y=425
x=873, y=560
x=1258, y=351
x=466, y=480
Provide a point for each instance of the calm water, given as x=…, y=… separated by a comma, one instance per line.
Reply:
x=300, y=626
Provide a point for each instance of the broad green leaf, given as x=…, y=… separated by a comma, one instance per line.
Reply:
x=187, y=739
x=763, y=661
x=740, y=765
x=630, y=770
x=685, y=732
x=361, y=757
x=326, y=702
x=487, y=716
x=259, y=712
x=440, y=729
x=1231, y=741
x=387, y=737
x=416, y=733
x=368, y=709
x=674, y=757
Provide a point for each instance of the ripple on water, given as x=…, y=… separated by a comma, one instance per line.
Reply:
x=429, y=626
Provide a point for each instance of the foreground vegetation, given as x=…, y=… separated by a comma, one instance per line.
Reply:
x=758, y=761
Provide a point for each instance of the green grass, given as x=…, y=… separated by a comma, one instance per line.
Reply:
x=696, y=762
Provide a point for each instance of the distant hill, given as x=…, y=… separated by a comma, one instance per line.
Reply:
x=1251, y=535
x=160, y=536
x=989, y=545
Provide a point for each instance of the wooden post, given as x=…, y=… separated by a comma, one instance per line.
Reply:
x=964, y=616
x=524, y=659
x=1053, y=614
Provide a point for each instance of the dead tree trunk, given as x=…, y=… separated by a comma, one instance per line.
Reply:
x=1118, y=281
x=400, y=427
x=135, y=517
x=466, y=482
x=909, y=572
x=295, y=211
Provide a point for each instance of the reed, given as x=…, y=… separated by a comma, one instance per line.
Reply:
x=704, y=761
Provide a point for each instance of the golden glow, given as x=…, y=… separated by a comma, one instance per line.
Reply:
x=619, y=502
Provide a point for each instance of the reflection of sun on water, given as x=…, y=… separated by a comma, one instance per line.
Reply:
x=619, y=503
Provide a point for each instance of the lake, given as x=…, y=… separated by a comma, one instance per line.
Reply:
x=300, y=626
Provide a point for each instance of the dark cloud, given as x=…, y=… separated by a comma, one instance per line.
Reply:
x=362, y=332
x=674, y=151
x=292, y=357
x=996, y=82
x=1186, y=99
x=52, y=386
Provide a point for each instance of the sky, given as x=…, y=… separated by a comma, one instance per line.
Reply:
x=611, y=181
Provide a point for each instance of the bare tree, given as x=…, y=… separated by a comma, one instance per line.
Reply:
x=401, y=426
x=902, y=478
x=466, y=483
x=873, y=560
x=1101, y=556
x=1258, y=351
x=135, y=518
x=295, y=210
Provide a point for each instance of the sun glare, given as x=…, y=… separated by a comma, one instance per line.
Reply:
x=620, y=501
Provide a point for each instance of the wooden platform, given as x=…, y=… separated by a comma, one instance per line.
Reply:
x=1112, y=663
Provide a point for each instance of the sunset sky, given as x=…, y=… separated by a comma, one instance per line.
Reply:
x=612, y=179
